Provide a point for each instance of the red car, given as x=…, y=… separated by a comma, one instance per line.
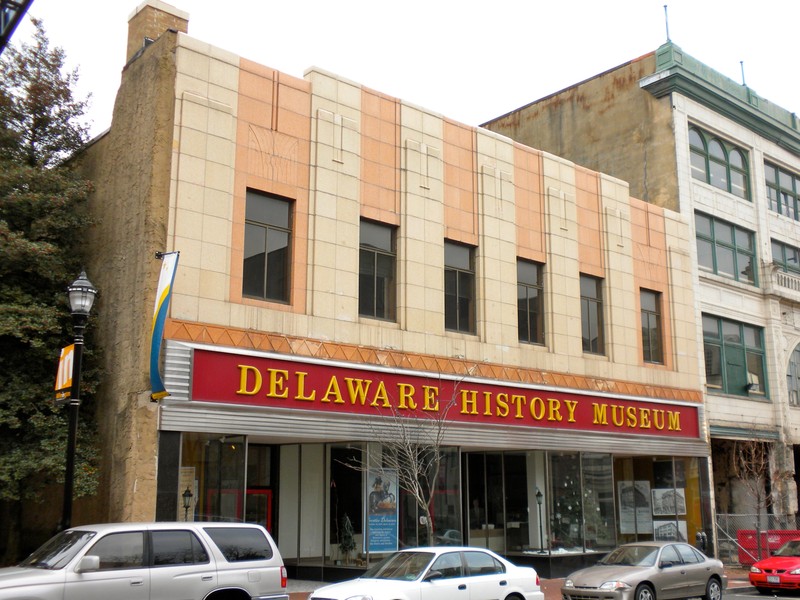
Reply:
x=781, y=571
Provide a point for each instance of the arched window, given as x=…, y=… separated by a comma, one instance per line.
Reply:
x=719, y=163
x=793, y=377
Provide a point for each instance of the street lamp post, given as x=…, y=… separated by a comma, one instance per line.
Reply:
x=81, y=298
x=539, y=498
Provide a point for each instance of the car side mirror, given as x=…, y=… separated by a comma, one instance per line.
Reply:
x=433, y=575
x=88, y=563
x=666, y=563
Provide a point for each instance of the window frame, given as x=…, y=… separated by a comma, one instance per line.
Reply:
x=278, y=230
x=383, y=302
x=460, y=275
x=592, y=320
x=652, y=316
x=726, y=175
x=718, y=247
x=727, y=340
x=782, y=262
x=530, y=320
x=782, y=200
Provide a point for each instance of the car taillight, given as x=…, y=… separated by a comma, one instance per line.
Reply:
x=538, y=583
x=283, y=577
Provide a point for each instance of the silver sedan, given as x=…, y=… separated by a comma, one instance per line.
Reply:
x=646, y=571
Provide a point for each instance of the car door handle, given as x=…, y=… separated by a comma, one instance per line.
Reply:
x=463, y=586
x=137, y=581
x=206, y=578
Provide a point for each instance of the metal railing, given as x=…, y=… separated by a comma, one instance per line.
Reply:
x=743, y=539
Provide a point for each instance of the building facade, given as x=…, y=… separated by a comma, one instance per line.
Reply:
x=688, y=138
x=355, y=270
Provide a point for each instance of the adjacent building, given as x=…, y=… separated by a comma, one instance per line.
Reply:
x=354, y=269
x=689, y=139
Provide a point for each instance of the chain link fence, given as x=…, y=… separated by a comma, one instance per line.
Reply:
x=744, y=539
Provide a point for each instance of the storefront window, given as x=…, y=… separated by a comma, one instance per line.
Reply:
x=598, y=502
x=566, y=521
x=213, y=470
x=345, y=505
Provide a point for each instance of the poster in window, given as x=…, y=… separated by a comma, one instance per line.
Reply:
x=382, y=518
x=634, y=507
x=670, y=531
x=669, y=501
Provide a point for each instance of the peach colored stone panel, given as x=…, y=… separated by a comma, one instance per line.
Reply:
x=460, y=183
x=590, y=222
x=273, y=144
x=380, y=157
x=529, y=203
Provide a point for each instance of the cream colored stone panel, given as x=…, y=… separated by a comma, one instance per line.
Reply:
x=219, y=176
x=183, y=306
x=190, y=249
x=187, y=279
x=188, y=224
x=213, y=311
x=216, y=203
x=216, y=231
x=191, y=169
x=213, y=285
x=216, y=258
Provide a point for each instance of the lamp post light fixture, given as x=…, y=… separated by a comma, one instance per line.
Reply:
x=81, y=298
x=539, y=498
x=187, y=503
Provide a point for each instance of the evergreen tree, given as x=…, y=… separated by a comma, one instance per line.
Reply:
x=42, y=221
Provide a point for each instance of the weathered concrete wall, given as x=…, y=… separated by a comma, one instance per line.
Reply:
x=130, y=167
x=607, y=124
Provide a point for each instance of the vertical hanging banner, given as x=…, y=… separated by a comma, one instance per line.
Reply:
x=163, y=294
x=64, y=375
x=382, y=518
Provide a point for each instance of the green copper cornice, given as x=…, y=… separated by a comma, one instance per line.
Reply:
x=679, y=72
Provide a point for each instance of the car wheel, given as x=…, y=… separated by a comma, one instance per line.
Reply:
x=644, y=592
x=713, y=590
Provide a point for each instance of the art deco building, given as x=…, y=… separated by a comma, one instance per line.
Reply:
x=350, y=263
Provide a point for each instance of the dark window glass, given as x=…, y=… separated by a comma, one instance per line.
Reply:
x=459, y=288
x=267, y=237
x=177, y=548
x=725, y=249
x=530, y=302
x=719, y=163
x=651, y=326
x=480, y=563
x=592, y=315
x=734, y=356
x=240, y=543
x=448, y=565
x=376, y=276
x=120, y=550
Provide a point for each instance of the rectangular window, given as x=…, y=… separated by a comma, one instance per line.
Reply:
x=530, y=302
x=786, y=257
x=267, y=235
x=376, y=271
x=592, y=314
x=725, y=249
x=783, y=191
x=652, y=344
x=734, y=355
x=459, y=288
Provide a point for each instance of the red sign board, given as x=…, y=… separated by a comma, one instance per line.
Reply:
x=265, y=381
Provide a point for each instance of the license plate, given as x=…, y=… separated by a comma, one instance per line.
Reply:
x=773, y=579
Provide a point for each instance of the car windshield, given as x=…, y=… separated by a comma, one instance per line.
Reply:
x=789, y=549
x=402, y=566
x=59, y=550
x=636, y=556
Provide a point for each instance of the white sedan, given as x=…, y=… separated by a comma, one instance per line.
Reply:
x=439, y=573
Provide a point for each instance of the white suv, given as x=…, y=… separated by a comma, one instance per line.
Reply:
x=151, y=561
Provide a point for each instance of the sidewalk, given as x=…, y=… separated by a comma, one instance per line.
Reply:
x=737, y=578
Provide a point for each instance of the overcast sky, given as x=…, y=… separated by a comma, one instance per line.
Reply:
x=470, y=60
